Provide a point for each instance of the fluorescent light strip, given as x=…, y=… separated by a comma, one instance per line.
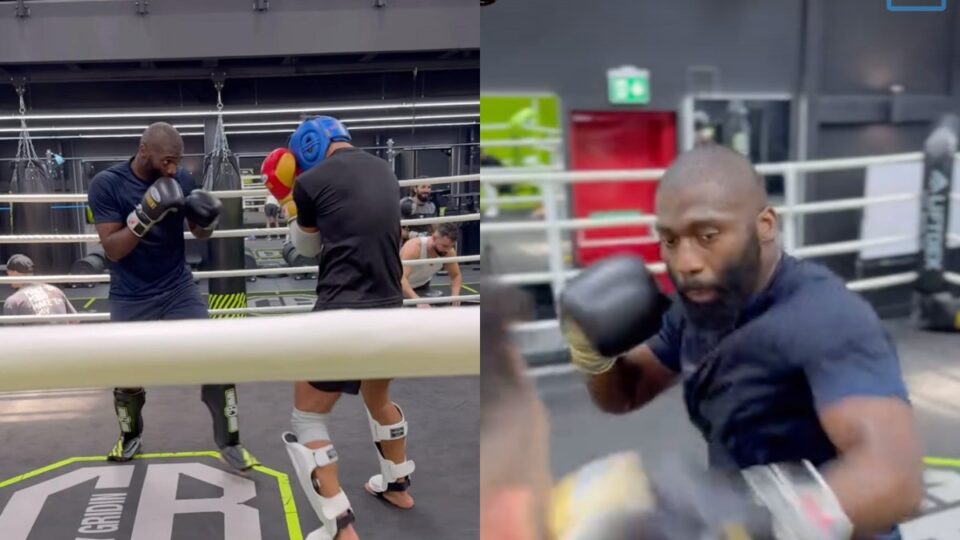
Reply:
x=358, y=128
x=93, y=128
x=349, y=121
x=241, y=132
x=240, y=112
x=244, y=124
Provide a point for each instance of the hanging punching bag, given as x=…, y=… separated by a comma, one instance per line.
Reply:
x=32, y=218
x=222, y=172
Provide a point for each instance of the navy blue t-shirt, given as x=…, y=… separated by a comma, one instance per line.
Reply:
x=158, y=264
x=802, y=344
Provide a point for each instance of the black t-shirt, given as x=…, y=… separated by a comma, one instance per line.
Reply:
x=351, y=197
x=158, y=263
x=801, y=345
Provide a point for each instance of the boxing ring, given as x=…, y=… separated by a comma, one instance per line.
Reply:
x=581, y=433
x=56, y=408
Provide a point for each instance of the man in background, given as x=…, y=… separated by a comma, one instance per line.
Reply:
x=418, y=205
x=442, y=243
x=33, y=298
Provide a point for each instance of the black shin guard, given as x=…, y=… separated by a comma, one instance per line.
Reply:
x=128, y=402
x=221, y=399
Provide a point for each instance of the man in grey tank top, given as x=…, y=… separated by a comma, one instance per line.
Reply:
x=442, y=243
x=33, y=298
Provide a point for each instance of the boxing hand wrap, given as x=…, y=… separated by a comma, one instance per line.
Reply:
x=609, y=309
x=583, y=356
x=801, y=504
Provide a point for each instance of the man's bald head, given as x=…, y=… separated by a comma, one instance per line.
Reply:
x=162, y=137
x=718, y=168
x=160, y=152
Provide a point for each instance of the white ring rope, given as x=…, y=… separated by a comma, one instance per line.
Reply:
x=269, y=310
x=639, y=175
x=646, y=220
x=833, y=248
x=209, y=274
x=332, y=345
x=226, y=194
x=229, y=233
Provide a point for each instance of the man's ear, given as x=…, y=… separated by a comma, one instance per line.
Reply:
x=767, y=225
x=507, y=514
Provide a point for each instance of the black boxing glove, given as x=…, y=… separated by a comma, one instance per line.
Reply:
x=162, y=197
x=610, y=308
x=203, y=209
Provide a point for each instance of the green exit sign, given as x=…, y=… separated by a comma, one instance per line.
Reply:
x=628, y=86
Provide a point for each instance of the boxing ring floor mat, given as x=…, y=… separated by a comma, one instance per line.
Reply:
x=931, y=366
x=180, y=491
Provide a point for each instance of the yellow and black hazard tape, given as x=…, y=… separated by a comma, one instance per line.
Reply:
x=228, y=301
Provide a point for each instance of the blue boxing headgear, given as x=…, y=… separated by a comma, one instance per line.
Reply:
x=310, y=142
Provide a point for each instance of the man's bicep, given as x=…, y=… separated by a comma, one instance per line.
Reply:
x=881, y=422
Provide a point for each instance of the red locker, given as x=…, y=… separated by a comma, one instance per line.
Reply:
x=618, y=140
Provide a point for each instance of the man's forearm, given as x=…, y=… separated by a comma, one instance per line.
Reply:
x=408, y=291
x=615, y=391
x=455, y=285
x=119, y=244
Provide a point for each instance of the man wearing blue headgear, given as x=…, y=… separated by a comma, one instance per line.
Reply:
x=350, y=198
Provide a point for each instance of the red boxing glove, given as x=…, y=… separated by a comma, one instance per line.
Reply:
x=279, y=170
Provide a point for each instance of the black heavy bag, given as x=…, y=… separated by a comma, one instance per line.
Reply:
x=29, y=177
x=222, y=172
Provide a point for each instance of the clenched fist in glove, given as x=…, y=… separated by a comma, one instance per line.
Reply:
x=203, y=209
x=162, y=197
x=610, y=308
x=279, y=172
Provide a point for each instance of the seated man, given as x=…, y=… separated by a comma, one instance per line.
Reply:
x=418, y=205
x=416, y=279
x=33, y=298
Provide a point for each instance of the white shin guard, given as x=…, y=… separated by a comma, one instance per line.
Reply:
x=305, y=461
x=390, y=472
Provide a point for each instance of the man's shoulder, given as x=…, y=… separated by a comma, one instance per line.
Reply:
x=820, y=304
x=108, y=176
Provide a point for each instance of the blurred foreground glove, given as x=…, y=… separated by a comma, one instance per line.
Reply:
x=801, y=504
x=616, y=498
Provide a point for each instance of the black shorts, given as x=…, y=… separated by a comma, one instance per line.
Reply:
x=347, y=387
x=179, y=304
x=271, y=210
